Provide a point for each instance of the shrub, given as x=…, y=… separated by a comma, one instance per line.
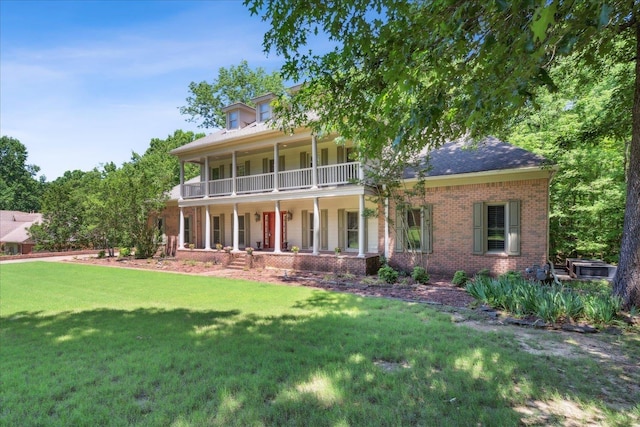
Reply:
x=420, y=275
x=485, y=272
x=460, y=278
x=101, y=254
x=125, y=252
x=510, y=275
x=388, y=274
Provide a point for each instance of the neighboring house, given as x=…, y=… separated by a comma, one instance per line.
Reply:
x=261, y=188
x=14, y=238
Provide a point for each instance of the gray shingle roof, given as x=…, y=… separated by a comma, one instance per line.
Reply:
x=14, y=224
x=490, y=154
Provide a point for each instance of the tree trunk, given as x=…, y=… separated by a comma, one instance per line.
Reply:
x=626, y=284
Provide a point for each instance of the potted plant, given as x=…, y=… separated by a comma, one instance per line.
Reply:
x=219, y=246
x=295, y=249
x=249, y=250
x=337, y=250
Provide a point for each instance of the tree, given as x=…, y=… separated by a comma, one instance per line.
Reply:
x=584, y=128
x=415, y=74
x=19, y=190
x=236, y=84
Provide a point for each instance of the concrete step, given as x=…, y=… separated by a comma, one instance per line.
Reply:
x=238, y=263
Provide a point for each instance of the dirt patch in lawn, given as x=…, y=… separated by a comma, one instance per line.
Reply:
x=613, y=348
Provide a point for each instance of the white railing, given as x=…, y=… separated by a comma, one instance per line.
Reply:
x=193, y=190
x=299, y=178
x=255, y=183
x=343, y=173
x=221, y=187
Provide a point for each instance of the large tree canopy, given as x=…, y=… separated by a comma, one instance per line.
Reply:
x=236, y=84
x=19, y=190
x=414, y=74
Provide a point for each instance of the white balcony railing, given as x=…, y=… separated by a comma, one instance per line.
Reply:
x=343, y=173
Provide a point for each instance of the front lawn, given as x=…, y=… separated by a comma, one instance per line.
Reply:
x=87, y=345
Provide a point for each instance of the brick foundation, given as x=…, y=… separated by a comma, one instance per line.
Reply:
x=328, y=263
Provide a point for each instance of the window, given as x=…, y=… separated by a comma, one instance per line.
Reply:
x=233, y=119
x=217, y=230
x=414, y=229
x=160, y=225
x=215, y=174
x=187, y=229
x=352, y=230
x=496, y=238
x=264, y=111
x=496, y=228
x=241, y=230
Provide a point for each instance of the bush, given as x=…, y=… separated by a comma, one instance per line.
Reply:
x=102, y=254
x=125, y=252
x=388, y=274
x=552, y=303
x=485, y=272
x=420, y=275
x=460, y=278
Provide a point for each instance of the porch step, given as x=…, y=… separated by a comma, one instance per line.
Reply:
x=238, y=263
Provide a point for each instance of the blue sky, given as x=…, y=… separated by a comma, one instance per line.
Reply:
x=87, y=82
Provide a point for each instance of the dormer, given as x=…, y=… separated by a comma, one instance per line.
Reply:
x=263, y=107
x=239, y=115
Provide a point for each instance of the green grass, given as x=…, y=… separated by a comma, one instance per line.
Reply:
x=87, y=345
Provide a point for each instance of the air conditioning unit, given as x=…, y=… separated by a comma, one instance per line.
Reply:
x=581, y=268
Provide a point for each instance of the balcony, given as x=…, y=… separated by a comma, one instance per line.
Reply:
x=297, y=179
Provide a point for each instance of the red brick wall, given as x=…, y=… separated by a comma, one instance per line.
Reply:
x=453, y=228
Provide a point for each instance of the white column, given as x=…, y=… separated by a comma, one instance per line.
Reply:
x=276, y=167
x=206, y=177
x=236, y=231
x=234, y=171
x=361, y=229
x=316, y=226
x=181, y=181
x=181, y=231
x=278, y=242
x=386, y=227
x=314, y=162
x=207, y=229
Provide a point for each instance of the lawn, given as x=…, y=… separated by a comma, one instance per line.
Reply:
x=88, y=345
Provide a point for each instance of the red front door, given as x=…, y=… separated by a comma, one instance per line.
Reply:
x=269, y=229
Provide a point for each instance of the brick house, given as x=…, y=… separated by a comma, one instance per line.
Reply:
x=259, y=187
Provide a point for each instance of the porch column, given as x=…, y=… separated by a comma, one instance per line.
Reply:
x=181, y=230
x=361, y=229
x=276, y=167
x=234, y=171
x=207, y=229
x=314, y=163
x=181, y=181
x=316, y=226
x=386, y=227
x=206, y=178
x=236, y=231
x=278, y=241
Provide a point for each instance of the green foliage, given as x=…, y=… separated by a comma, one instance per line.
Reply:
x=583, y=128
x=124, y=252
x=235, y=84
x=101, y=254
x=387, y=274
x=420, y=275
x=485, y=272
x=551, y=303
x=19, y=190
x=460, y=278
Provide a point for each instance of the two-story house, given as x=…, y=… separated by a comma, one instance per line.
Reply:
x=259, y=187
